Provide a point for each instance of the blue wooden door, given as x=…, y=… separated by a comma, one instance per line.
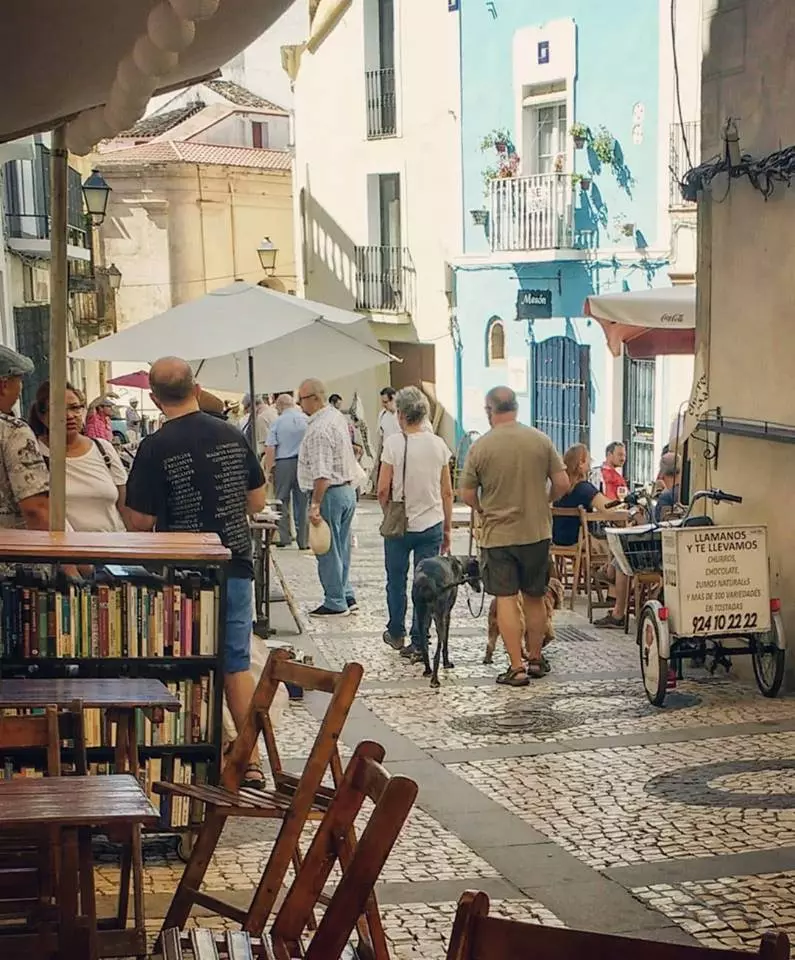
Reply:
x=561, y=391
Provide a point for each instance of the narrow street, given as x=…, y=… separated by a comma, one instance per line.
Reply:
x=572, y=801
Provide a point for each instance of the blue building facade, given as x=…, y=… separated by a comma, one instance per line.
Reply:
x=561, y=199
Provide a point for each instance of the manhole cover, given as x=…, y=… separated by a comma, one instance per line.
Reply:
x=573, y=635
x=549, y=714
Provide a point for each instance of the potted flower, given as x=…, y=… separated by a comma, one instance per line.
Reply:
x=579, y=133
x=628, y=230
x=480, y=217
x=603, y=145
x=583, y=179
x=499, y=140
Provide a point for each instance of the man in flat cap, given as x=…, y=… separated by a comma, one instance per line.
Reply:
x=24, y=478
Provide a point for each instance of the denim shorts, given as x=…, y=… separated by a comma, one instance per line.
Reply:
x=239, y=606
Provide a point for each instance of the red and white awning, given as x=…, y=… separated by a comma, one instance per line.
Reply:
x=647, y=323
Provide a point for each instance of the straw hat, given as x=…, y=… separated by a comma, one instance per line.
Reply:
x=320, y=538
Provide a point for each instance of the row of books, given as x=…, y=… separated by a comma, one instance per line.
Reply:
x=174, y=811
x=126, y=616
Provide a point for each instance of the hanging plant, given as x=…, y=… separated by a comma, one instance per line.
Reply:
x=580, y=134
x=479, y=217
x=499, y=139
x=582, y=179
x=603, y=144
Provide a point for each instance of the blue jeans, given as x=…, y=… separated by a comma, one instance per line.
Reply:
x=337, y=509
x=397, y=550
x=237, y=641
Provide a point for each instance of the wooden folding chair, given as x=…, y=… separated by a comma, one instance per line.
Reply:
x=294, y=800
x=589, y=564
x=28, y=864
x=477, y=936
x=354, y=897
x=569, y=560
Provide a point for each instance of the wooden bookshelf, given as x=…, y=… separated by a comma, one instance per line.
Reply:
x=166, y=557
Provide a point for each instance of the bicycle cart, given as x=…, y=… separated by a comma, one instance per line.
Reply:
x=715, y=601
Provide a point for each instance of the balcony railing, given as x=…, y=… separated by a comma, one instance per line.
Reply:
x=27, y=200
x=531, y=213
x=384, y=280
x=678, y=162
x=381, y=104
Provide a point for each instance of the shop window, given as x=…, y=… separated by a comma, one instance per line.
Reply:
x=495, y=342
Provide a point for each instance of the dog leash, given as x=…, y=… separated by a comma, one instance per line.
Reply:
x=469, y=592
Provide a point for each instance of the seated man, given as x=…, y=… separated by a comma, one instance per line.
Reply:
x=612, y=480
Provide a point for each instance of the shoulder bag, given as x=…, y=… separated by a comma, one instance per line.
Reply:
x=395, y=522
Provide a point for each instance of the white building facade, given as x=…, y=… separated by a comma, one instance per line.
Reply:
x=378, y=185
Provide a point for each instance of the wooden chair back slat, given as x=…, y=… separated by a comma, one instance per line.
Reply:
x=477, y=936
x=393, y=798
x=45, y=731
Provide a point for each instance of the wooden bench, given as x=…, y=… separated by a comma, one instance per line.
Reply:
x=477, y=936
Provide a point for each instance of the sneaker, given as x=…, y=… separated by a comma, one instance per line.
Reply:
x=609, y=622
x=324, y=611
x=409, y=651
x=353, y=606
x=395, y=642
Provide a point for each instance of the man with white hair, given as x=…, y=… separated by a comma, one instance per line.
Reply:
x=281, y=461
x=327, y=470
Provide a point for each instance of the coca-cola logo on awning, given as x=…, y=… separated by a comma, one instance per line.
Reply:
x=672, y=318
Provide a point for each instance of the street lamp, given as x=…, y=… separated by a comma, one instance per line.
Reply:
x=96, y=193
x=267, y=251
x=114, y=277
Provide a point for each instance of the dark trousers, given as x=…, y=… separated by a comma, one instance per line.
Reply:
x=397, y=554
x=285, y=482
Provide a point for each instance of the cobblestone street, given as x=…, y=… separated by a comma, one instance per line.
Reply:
x=571, y=801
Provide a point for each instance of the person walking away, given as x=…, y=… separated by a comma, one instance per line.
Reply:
x=99, y=424
x=423, y=460
x=133, y=420
x=24, y=477
x=505, y=480
x=612, y=481
x=96, y=480
x=197, y=473
x=281, y=460
x=326, y=471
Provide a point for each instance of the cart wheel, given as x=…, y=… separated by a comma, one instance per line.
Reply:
x=185, y=846
x=653, y=668
x=768, y=655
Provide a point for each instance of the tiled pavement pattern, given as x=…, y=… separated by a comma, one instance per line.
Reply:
x=571, y=801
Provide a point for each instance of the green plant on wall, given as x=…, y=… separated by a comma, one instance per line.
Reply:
x=603, y=144
x=579, y=133
x=499, y=139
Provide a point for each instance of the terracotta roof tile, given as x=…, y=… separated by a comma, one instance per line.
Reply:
x=160, y=123
x=168, y=151
x=242, y=97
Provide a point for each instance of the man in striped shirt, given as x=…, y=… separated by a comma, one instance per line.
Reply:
x=327, y=470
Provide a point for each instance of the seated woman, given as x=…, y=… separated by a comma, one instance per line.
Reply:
x=582, y=493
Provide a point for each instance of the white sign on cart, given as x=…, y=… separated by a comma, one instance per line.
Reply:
x=716, y=580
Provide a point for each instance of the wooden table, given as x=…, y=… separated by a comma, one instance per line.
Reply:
x=120, y=697
x=71, y=807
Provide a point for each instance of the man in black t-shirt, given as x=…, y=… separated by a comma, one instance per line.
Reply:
x=197, y=474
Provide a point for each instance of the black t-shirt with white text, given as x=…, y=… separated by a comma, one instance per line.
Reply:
x=193, y=475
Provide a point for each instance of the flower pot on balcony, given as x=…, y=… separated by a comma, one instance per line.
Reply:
x=585, y=184
x=479, y=217
x=501, y=146
x=579, y=142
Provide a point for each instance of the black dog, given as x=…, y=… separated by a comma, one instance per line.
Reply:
x=434, y=592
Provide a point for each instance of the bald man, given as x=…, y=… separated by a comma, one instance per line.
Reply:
x=326, y=471
x=281, y=460
x=197, y=473
x=510, y=476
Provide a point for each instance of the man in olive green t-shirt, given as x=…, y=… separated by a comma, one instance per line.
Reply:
x=511, y=475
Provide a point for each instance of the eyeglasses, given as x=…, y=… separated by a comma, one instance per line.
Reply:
x=75, y=408
x=309, y=396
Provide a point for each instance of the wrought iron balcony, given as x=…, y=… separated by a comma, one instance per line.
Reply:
x=684, y=138
x=531, y=213
x=381, y=104
x=384, y=280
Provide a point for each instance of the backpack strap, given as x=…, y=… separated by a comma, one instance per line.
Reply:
x=104, y=454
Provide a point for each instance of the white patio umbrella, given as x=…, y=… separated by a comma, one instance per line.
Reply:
x=244, y=329
x=647, y=322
